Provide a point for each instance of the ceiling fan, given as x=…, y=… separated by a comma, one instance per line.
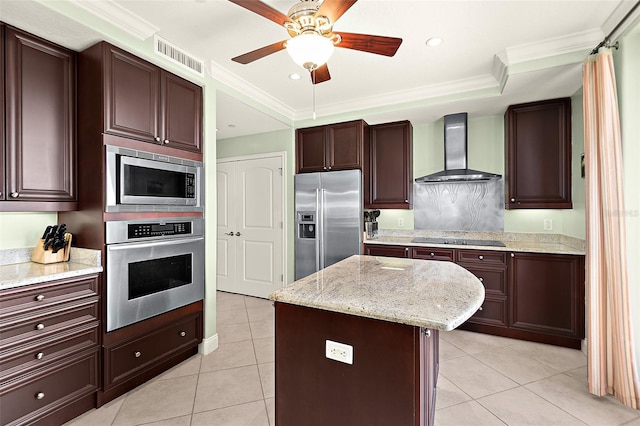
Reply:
x=310, y=25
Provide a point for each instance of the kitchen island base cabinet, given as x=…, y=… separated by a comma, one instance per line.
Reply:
x=392, y=380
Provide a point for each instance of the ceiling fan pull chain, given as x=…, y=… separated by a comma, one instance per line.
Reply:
x=314, y=95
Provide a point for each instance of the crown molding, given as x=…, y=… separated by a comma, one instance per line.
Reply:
x=118, y=16
x=617, y=16
x=585, y=40
x=418, y=94
x=230, y=79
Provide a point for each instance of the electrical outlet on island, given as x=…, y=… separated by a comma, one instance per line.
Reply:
x=400, y=222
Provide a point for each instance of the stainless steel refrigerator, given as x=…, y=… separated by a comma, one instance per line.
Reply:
x=328, y=219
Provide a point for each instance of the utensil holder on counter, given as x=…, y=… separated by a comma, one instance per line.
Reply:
x=40, y=255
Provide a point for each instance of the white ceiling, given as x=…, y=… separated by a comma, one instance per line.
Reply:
x=495, y=53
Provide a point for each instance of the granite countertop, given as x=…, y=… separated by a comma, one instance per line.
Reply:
x=437, y=295
x=518, y=242
x=16, y=268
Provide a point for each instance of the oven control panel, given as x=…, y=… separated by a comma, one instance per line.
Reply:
x=146, y=230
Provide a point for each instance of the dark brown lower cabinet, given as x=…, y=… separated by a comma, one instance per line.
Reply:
x=135, y=354
x=49, y=351
x=529, y=296
x=547, y=294
x=392, y=380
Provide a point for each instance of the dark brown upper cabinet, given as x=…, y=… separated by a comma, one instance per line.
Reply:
x=388, y=176
x=538, y=155
x=39, y=134
x=332, y=147
x=143, y=101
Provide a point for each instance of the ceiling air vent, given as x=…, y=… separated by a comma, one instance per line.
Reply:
x=177, y=55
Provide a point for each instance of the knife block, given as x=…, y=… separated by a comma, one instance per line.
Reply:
x=40, y=255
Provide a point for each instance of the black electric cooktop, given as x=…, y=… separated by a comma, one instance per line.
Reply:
x=458, y=242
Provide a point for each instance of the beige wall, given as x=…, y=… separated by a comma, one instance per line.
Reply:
x=627, y=64
x=486, y=152
x=279, y=141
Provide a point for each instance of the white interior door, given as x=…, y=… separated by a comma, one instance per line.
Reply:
x=226, y=240
x=256, y=222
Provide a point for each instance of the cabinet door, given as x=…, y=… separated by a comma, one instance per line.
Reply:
x=311, y=151
x=132, y=96
x=40, y=124
x=386, y=250
x=182, y=113
x=546, y=294
x=538, y=155
x=3, y=189
x=389, y=177
x=345, y=149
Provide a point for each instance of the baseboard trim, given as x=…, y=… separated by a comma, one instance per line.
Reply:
x=208, y=345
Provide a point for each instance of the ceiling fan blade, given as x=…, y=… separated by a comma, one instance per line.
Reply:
x=380, y=45
x=320, y=74
x=263, y=9
x=334, y=9
x=259, y=53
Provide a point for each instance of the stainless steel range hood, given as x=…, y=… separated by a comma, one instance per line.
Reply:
x=455, y=155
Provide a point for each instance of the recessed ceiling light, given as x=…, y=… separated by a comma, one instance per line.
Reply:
x=294, y=76
x=434, y=41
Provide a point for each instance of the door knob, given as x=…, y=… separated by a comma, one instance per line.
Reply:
x=229, y=233
x=166, y=141
x=157, y=139
x=14, y=195
x=238, y=234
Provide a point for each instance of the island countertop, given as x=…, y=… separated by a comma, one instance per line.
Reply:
x=436, y=295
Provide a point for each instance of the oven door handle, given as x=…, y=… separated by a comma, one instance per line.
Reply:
x=148, y=244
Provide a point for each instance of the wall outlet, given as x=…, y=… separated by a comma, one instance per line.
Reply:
x=548, y=224
x=401, y=222
x=339, y=352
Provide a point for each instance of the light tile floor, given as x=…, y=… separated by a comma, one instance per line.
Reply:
x=484, y=380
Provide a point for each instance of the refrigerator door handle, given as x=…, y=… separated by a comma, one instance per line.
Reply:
x=321, y=230
x=318, y=229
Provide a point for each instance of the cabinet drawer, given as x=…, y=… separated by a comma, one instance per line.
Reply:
x=432, y=253
x=43, y=295
x=482, y=257
x=130, y=358
x=492, y=312
x=27, y=399
x=18, y=360
x=494, y=280
x=45, y=323
x=386, y=250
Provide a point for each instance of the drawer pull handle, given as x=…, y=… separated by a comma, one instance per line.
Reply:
x=480, y=257
x=480, y=308
x=481, y=279
x=40, y=395
x=40, y=326
x=166, y=141
x=182, y=334
x=432, y=254
x=39, y=297
x=513, y=255
x=137, y=354
x=157, y=139
x=14, y=195
x=39, y=355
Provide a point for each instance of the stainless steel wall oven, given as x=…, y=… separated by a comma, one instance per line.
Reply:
x=153, y=266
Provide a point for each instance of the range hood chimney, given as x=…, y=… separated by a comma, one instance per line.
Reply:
x=455, y=155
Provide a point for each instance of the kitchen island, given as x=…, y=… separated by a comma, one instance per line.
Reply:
x=357, y=343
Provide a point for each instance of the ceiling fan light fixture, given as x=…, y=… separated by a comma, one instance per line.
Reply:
x=310, y=50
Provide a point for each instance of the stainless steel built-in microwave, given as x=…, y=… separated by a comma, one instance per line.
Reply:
x=138, y=181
